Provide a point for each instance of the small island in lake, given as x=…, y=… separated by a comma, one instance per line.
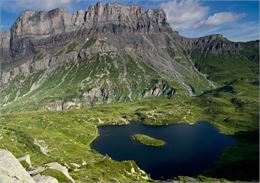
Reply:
x=149, y=141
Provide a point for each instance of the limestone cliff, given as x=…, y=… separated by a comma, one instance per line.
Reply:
x=109, y=53
x=33, y=30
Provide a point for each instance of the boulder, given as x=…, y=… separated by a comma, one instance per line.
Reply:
x=44, y=179
x=11, y=171
x=55, y=168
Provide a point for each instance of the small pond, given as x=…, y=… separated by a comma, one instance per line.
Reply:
x=189, y=149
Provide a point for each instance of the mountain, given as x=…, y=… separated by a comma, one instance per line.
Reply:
x=117, y=63
x=224, y=60
x=110, y=53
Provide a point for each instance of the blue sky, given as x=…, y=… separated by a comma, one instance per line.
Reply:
x=236, y=20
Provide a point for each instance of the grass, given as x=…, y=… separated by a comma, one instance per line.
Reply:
x=241, y=161
x=216, y=67
x=74, y=130
x=70, y=82
x=233, y=108
x=147, y=140
x=57, y=174
x=71, y=47
x=89, y=43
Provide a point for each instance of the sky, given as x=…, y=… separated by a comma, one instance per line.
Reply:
x=236, y=20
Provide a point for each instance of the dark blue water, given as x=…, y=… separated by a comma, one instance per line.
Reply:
x=189, y=149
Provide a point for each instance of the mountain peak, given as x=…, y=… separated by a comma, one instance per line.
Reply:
x=34, y=29
x=102, y=17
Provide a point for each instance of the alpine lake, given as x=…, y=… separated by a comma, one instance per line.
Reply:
x=188, y=150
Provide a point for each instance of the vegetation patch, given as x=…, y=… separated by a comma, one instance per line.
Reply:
x=72, y=46
x=90, y=43
x=147, y=140
x=57, y=174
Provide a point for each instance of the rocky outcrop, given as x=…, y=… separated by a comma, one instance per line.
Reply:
x=108, y=53
x=11, y=171
x=103, y=18
x=213, y=44
x=32, y=23
x=34, y=31
x=44, y=179
x=159, y=88
x=4, y=48
x=56, y=166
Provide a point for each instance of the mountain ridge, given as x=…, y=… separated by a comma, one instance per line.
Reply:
x=119, y=46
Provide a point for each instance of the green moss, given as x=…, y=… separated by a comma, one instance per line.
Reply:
x=24, y=164
x=89, y=43
x=147, y=140
x=71, y=47
x=56, y=174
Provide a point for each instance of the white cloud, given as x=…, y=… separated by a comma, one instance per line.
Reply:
x=1, y=27
x=18, y=5
x=185, y=14
x=223, y=17
x=192, y=14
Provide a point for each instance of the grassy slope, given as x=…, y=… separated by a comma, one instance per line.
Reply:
x=75, y=130
x=228, y=67
x=240, y=162
x=235, y=104
x=233, y=109
x=121, y=79
x=67, y=136
x=147, y=140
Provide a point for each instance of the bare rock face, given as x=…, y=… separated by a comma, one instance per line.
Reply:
x=56, y=166
x=11, y=171
x=33, y=31
x=39, y=23
x=215, y=44
x=44, y=179
x=4, y=47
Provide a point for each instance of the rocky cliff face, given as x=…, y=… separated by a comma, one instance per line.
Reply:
x=109, y=53
x=214, y=44
x=14, y=170
x=4, y=48
x=33, y=31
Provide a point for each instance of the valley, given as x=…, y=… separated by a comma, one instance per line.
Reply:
x=75, y=130
x=64, y=77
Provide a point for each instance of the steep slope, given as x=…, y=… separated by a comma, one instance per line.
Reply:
x=223, y=60
x=115, y=53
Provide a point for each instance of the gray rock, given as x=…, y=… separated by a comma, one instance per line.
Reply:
x=11, y=170
x=33, y=30
x=44, y=179
x=215, y=44
x=62, y=169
